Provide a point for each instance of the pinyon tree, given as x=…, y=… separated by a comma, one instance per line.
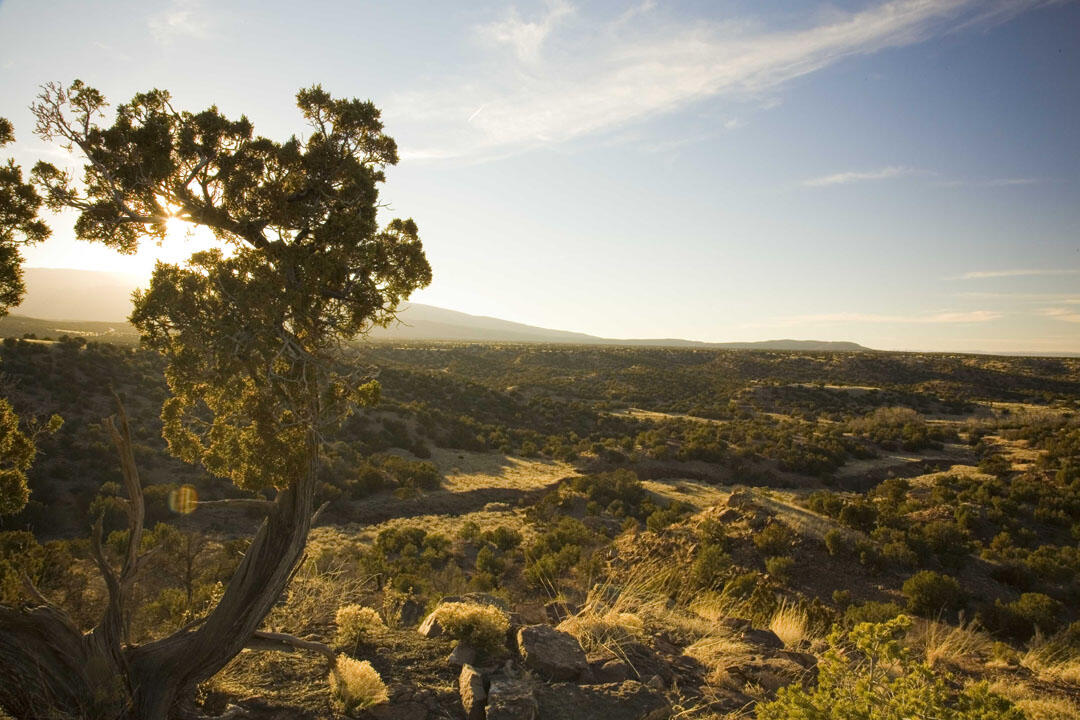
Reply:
x=251, y=333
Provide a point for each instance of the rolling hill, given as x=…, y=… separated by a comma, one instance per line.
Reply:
x=94, y=305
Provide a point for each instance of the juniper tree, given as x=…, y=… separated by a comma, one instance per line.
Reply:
x=251, y=333
x=19, y=225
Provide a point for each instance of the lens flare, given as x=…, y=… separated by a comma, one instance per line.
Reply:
x=183, y=500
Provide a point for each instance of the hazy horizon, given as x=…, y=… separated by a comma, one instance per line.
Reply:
x=902, y=174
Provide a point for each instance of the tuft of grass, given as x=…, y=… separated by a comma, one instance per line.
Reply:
x=355, y=685
x=1052, y=659
x=356, y=623
x=792, y=625
x=957, y=645
x=482, y=626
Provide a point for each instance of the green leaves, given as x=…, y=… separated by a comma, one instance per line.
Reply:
x=19, y=224
x=251, y=331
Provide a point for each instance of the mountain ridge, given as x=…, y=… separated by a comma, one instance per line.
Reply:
x=93, y=304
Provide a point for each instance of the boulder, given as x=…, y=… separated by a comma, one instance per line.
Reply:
x=511, y=699
x=613, y=701
x=551, y=653
x=473, y=694
x=609, y=671
x=430, y=628
x=463, y=654
x=763, y=638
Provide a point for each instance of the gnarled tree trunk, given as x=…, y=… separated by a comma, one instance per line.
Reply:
x=48, y=669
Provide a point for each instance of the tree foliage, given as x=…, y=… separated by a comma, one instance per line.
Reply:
x=870, y=675
x=250, y=332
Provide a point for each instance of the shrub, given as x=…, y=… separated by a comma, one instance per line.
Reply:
x=482, y=626
x=355, y=685
x=775, y=539
x=355, y=623
x=851, y=685
x=872, y=612
x=929, y=593
x=837, y=543
x=779, y=567
x=709, y=565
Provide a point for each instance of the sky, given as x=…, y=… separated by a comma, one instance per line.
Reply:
x=901, y=174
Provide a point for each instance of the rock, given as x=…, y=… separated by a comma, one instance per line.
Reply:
x=806, y=660
x=510, y=699
x=463, y=654
x=610, y=671
x=473, y=694
x=553, y=654
x=613, y=701
x=430, y=628
x=645, y=662
x=763, y=638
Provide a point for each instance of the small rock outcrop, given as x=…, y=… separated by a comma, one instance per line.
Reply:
x=551, y=653
x=511, y=699
x=628, y=700
x=473, y=694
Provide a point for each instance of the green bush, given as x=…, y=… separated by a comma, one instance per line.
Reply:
x=709, y=565
x=779, y=567
x=775, y=539
x=854, y=686
x=929, y=593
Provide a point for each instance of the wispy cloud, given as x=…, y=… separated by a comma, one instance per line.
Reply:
x=846, y=178
x=843, y=318
x=647, y=62
x=524, y=37
x=1060, y=313
x=986, y=274
x=992, y=182
x=181, y=18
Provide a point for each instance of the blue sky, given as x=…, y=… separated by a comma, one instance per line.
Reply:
x=901, y=174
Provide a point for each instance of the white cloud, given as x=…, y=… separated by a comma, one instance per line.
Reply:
x=646, y=63
x=985, y=274
x=526, y=38
x=846, y=178
x=181, y=18
x=1060, y=313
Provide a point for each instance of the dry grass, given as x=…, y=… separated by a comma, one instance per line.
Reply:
x=482, y=626
x=1034, y=705
x=355, y=685
x=356, y=623
x=1052, y=660
x=957, y=645
x=471, y=471
x=792, y=625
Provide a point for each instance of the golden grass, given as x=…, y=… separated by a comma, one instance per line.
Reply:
x=355, y=685
x=356, y=623
x=792, y=625
x=472, y=471
x=1034, y=705
x=941, y=643
x=1052, y=660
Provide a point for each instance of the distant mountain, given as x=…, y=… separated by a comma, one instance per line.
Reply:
x=94, y=305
